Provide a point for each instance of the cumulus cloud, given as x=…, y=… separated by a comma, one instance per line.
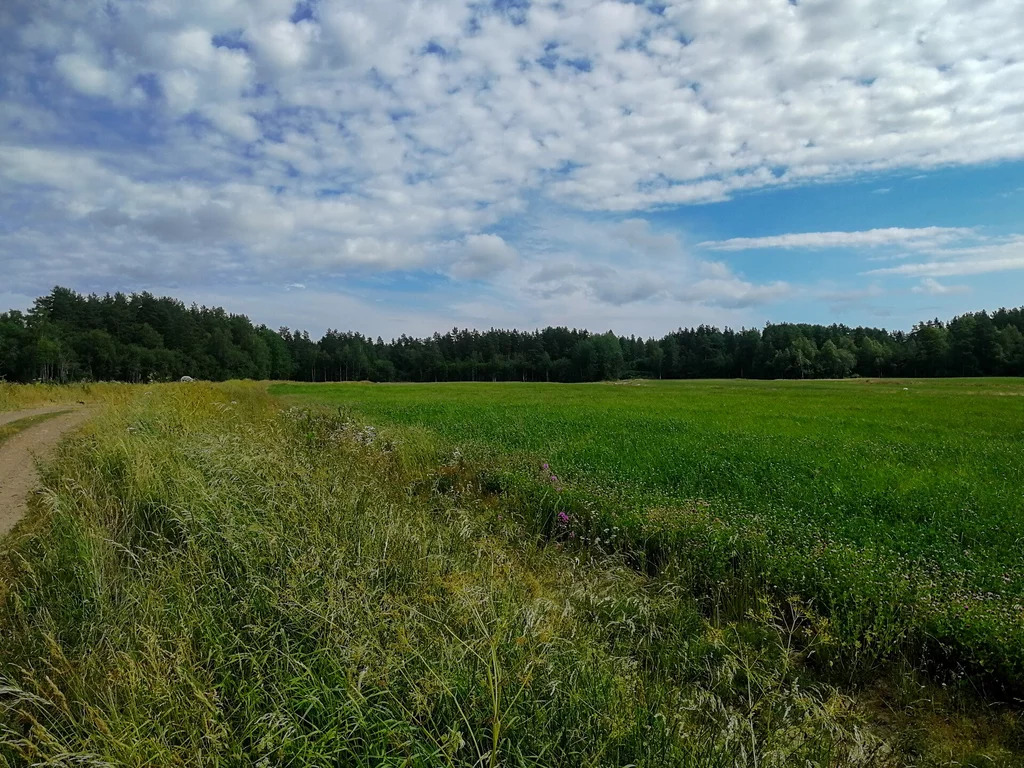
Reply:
x=630, y=262
x=643, y=104
x=481, y=256
x=281, y=45
x=239, y=138
x=87, y=77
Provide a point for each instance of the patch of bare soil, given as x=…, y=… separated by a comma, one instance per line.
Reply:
x=18, y=456
x=8, y=416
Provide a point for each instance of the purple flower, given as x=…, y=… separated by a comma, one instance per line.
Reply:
x=545, y=466
x=563, y=518
x=554, y=479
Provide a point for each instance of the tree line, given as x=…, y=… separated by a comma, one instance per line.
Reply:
x=67, y=336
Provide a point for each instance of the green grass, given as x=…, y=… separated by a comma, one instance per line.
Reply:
x=890, y=512
x=214, y=583
x=209, y=580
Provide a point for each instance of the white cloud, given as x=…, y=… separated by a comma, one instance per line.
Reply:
x=281, y=45
x=733, y=292
x=482, y=256
x=383, y=135
x=986, y=254
x=629, y=262
x=958, y=267
x=923, y=237
x=181, y=89
x=239, y=125
x=610, y=88
x=949, y=250
x=87, y=77
x=933, y=287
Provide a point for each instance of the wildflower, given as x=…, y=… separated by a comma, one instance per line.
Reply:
x=563, y=518
x=545, y=466
x=554, y=479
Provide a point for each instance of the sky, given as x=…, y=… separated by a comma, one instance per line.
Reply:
x=408, y=166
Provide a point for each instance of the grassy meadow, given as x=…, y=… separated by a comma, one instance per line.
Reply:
x=214, y=576
x=889, y=513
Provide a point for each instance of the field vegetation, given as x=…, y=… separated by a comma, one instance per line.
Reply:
x=16, y=397
x=887, y=514
x=210, y=578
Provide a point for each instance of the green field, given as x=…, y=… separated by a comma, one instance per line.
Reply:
x=212, y=576
x=894, y=507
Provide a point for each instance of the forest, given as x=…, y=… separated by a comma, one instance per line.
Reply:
x=67, y=336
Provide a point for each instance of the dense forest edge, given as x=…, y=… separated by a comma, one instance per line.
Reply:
x=67, y=336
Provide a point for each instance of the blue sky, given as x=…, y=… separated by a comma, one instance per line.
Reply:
x=391, y=166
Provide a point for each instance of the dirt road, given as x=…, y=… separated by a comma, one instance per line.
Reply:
x=18, y=455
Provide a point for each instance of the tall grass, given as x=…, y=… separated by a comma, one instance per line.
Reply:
x=209, y=581
x=888, y=515
x=17, y=396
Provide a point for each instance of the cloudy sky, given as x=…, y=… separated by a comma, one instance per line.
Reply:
x=411, y=165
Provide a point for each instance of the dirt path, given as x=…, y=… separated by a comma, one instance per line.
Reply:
x=8, y=416
x=18, y=455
